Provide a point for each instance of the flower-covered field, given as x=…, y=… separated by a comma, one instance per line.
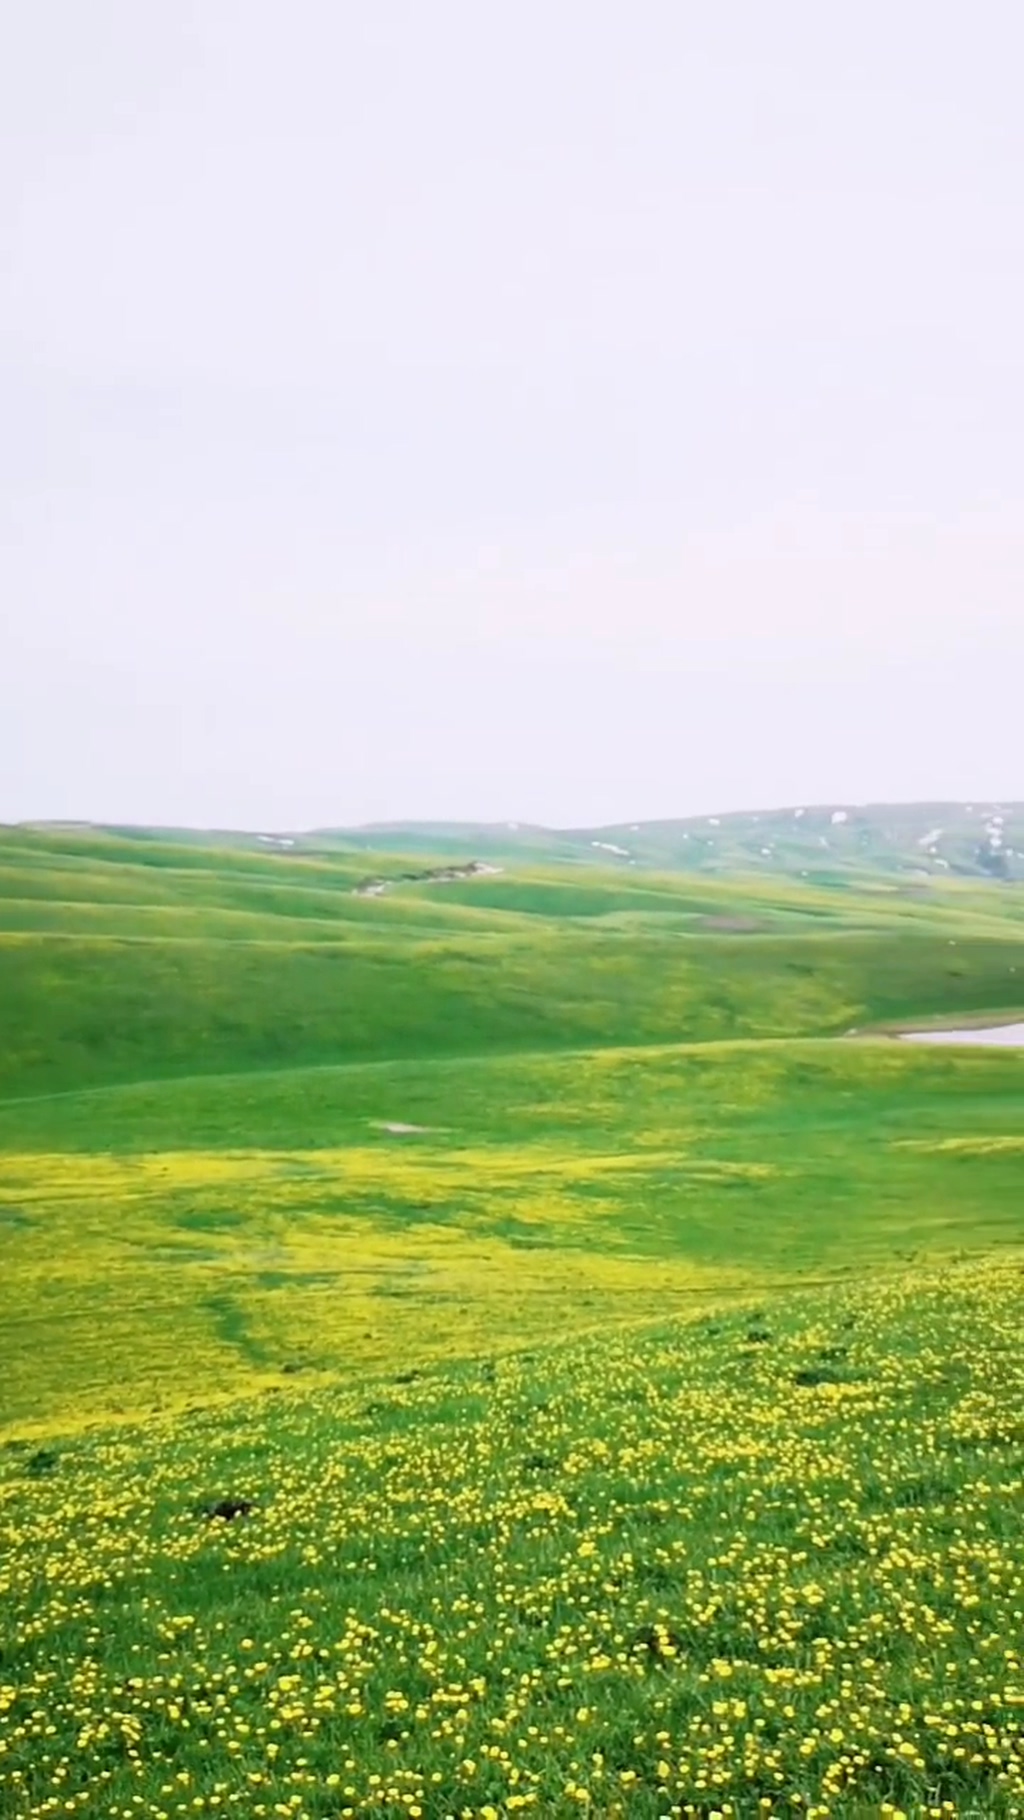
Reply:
x=499, y=1347
x=764, y=1563
x=169, y=1243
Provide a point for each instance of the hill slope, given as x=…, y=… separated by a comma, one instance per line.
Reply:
x=193, y=1239
x=302, y=1511
x=744, y=1567
x=123, y=959
x=823, y=842
x=919, y=840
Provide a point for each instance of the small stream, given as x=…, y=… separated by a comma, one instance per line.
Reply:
x=1008, y=1036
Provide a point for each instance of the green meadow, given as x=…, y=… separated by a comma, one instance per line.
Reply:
x=596, y=1331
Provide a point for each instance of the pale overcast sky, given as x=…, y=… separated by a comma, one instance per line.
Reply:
x=568, y=410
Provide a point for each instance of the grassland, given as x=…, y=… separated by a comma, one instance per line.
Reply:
x=178, y=1240
x=822, y=842
x=751, y=1565
x=122, y=960
x=619, y=1364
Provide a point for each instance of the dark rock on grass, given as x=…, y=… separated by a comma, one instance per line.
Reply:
x=40, y=1463
x=227, y=1509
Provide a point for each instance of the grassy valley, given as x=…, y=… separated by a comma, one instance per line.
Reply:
x=122, y=959
x=500, y=1343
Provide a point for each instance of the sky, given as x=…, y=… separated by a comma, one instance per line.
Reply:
x=569, y=410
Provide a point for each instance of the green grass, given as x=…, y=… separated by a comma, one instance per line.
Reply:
x=121, y=960
x=576, y=1190
x=838, y=842
x=638, y=1434
x=835, y=844
x=762, y=1564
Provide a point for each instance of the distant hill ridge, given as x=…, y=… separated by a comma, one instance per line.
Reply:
x=925, y=839
x=979, y=839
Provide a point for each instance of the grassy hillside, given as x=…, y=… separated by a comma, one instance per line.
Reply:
x=627, y=1088
x=979, y=840
x=832, y=842
x=486, y=1344
x=753, y=1566
x=917, y=840
x=123, y=959
x=169, y=1242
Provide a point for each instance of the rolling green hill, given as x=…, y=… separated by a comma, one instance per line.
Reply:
x=482, y=1336
x=749, y=1565
x=214, y=1041
x=123, y=959
x=825, y=843
x=917, y=840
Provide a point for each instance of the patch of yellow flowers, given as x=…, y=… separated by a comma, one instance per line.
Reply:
x=742, y=1567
